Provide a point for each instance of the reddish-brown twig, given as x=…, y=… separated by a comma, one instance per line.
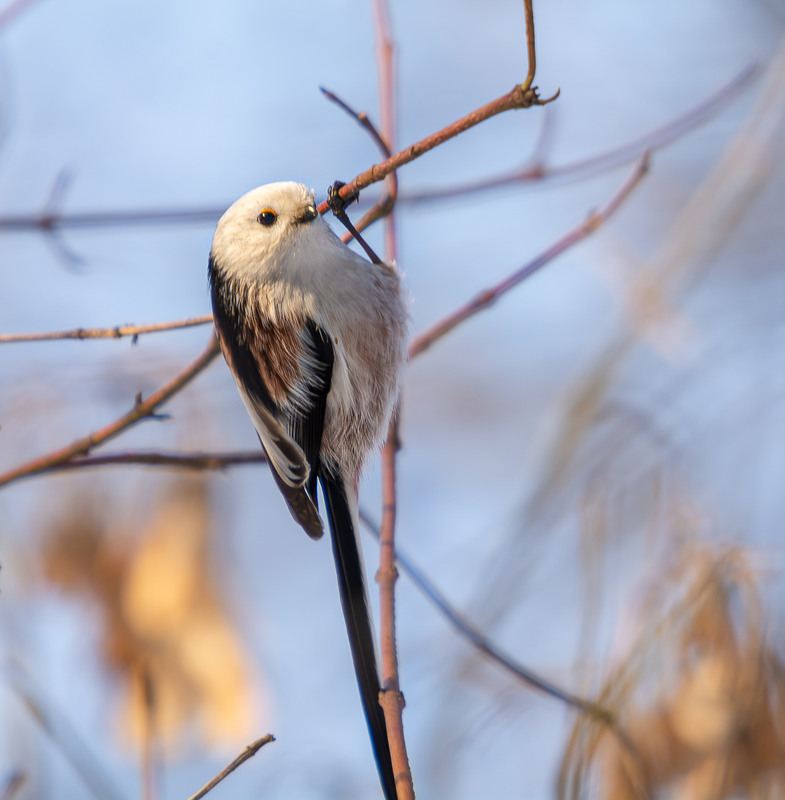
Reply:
x=485, y=645
x=117, y=332
x=70, y=454
x=391, y=699
x=533, y=171
x=190, y=461
x=488, y=297
x=516, y=98
x=142, y=409
x=536, y=170
x=249, y=752
x=520, y=96
x=386, y=203
x=480, y=640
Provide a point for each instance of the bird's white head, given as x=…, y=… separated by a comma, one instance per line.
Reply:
x=260, y=232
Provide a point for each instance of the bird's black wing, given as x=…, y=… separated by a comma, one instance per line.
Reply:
x=290, y=466
x=306, y=424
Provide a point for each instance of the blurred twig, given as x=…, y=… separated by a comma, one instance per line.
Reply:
x=55, y=461
x=188, y=461
x=142, y=409
x=249, y=752
x=117, y=332
x=483, y=643
x=66, y=739
x=13, y=9
x=14, y=783
x=711, y=216
x=148, y=732
x=51, y=219
x=535, y=170
x=488, y=297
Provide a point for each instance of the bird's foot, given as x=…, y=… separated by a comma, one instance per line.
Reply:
x=337, y=203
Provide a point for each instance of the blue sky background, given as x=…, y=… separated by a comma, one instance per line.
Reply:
x=190, y=105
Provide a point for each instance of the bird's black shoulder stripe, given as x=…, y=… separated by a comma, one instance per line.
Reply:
x=307, y=425
x=229, y=322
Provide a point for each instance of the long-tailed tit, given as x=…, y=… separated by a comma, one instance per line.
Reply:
x=314, y=337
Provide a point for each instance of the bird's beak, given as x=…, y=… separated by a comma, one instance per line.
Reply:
x=308, y=214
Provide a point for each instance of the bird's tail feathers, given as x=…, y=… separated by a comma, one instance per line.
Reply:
x=341, y=504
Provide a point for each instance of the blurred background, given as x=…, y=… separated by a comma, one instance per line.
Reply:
x=592, y=471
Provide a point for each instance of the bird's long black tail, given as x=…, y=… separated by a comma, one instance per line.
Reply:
x=354, y=600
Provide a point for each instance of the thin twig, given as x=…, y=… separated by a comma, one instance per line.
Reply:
x=535, y=170
x=145, y=678
x=190, y=461
x=117, y=332
x=392, y=700
x=487, y=298
x=531, y=50
x=51, y=220
x=386, y=203
x=516, y=98
x=385, y=60
x=141, y=410
x=13, y=784
x=249, y=752
x=13, y=10
x=483, y=643
x=70, y=454
x=65, y=737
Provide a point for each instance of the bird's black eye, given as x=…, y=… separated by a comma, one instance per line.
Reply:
x=267, y=217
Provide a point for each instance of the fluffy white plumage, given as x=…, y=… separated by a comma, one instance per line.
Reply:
x=295, y=270
x=314, y=337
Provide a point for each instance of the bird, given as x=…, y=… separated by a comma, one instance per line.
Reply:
x=314, y=336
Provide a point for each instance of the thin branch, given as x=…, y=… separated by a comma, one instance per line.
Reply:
x=148, y=762
x=117, y=332
x=483, y=643
x=249, y=752
x=70, y=454
x=487, y=298
x=391, y=699
x=537, y=171
x=531, y=50
x=142, y=409
x=53, y=220
x=66, y=739
x=532, y=171
x=189, y=461
x=386, y=203
x=517, y=98
x=12, y=785
x=385, y=60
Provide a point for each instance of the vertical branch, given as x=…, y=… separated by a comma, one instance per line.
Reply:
x=528, y=11
x=147, y=695
x=391, y=698
x=386, y=69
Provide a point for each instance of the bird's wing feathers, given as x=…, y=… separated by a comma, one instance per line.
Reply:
x=283, y=374
x=306, y=424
